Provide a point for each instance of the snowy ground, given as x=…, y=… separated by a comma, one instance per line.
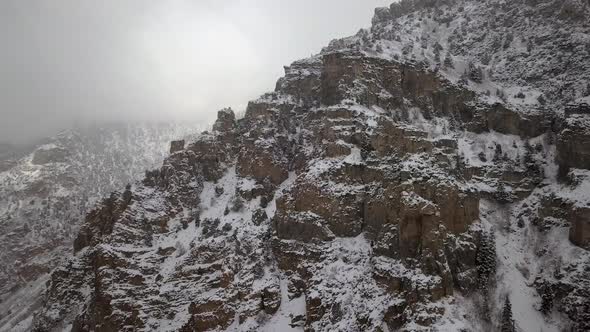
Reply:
x=518, y=266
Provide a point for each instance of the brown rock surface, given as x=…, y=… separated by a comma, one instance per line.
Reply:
x=580, y=227
x=573, y=144
x=176, y=146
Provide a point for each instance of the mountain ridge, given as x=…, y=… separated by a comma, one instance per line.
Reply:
x=368, y=192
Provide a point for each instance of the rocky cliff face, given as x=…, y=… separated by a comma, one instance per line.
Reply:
x=45, y=191
x=411, y=177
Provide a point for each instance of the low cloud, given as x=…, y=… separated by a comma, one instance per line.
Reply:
x=80, y=61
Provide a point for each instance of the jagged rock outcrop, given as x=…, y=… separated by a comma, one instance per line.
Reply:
x=176, y=146
x=360, y=195
x=580, y=226
x=573, y=143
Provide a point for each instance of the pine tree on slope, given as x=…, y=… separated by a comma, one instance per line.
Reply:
x=486, y=260
x=448, y=62
x=507, y=321
x=486, y=270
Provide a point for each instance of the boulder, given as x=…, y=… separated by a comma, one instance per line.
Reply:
x=507, y=121
x=176, y=146
x=331, y=212
x=260, y=162
x=573, y=144
x=301, y=226
x=400, y=140
x=580, y=227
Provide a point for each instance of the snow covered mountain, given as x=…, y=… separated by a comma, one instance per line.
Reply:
x=431, y=173
x=45, y=191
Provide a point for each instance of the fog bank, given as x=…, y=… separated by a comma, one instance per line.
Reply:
x=81, y=61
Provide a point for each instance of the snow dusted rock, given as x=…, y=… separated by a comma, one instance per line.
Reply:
x=45, y=191
x=382, y=14
x=363, y=193
x=404, y=7
x=100, y=222
x=226, y=121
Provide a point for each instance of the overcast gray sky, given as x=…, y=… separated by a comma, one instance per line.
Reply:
x=76, y=61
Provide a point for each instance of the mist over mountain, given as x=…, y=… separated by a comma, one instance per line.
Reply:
x=80, y=62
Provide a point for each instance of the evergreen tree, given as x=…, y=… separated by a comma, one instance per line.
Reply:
x=508, y=40
x=486, y=260
x=464, y=78
x=407, y=49
x=503, y=196
x=507, y=321
x=486, y=269
x=437, y=48
x=497, y=153
x=547, y=293
x=500, y=93
x=482, y=157
x=534, y=170
x=475, y=73
x=486, y=59
x=448, y=62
